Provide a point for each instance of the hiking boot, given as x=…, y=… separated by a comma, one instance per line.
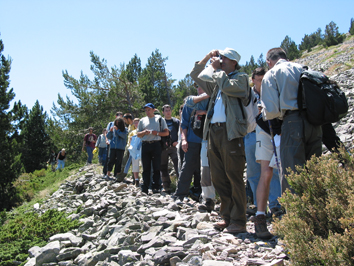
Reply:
x=195, y=193
x=120, y=177
x=260, y=224
x=221, y=225
x=235, y=229
x=137, y=184
x=208, y=205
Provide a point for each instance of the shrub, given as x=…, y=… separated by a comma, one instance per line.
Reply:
x=28, y=230
x=318, y=227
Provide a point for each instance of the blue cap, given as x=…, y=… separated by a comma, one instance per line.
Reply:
x=150, y=105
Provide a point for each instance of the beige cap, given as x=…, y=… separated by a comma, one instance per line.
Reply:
x=231, y=54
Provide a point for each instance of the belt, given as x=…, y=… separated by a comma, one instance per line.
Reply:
x=289, y=112
x=218, y=124
x=149, y=142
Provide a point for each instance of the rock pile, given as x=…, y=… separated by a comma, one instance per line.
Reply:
x=123, y=226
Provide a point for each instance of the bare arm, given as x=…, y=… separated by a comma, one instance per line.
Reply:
x=199, y=98
x=143, y=133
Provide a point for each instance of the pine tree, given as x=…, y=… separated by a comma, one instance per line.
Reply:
x=351, y=28
x=154, y=82
x=35, y=140
x=332, y=35
x=290, y=48
x=133, y=69
x=8, y=153
x=261, y=62
x=311, y=40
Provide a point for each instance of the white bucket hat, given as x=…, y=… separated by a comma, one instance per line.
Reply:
x=231, y=54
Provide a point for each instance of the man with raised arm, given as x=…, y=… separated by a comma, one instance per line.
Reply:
x=224, y=128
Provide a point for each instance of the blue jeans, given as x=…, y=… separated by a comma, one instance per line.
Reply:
x=102, y=153
x=254, y=172
x=190, y=168
x=89, y=153
x=61, y=164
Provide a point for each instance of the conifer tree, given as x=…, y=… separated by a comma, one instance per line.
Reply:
x=290, y=48
x=332, y=35
x=351, y=28
x=154, y=82
x=8, y=153
x=35, y=140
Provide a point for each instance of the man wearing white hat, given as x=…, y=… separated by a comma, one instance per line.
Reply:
x=224, y=128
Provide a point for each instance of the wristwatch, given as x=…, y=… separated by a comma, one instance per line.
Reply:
x=157, y=133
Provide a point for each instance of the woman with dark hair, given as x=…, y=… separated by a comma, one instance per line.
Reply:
x=118, y=136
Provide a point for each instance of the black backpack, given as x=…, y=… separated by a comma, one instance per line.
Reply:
x=324, y=101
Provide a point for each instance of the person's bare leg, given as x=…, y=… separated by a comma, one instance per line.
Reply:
x=263, y=186
x=260, y=221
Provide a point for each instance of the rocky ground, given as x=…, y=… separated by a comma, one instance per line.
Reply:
x=123, y=226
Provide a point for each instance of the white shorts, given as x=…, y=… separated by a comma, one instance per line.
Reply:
x=135, y=165
x=264, y=145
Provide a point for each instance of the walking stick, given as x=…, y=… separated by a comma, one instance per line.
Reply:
x=275, y=149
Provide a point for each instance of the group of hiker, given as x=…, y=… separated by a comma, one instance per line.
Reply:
x=225, y=126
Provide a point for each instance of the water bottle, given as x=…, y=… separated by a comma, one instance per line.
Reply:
x=197, y=122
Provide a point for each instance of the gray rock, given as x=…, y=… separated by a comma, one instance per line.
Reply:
x=68, y=253
x=34, y=251
x=48, y=253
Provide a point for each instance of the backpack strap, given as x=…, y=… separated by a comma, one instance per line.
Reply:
x=243, y=112
x=160, y=123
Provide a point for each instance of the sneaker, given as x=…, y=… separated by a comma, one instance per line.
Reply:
x=221, y=225
x=260, y=224
x=235, y=229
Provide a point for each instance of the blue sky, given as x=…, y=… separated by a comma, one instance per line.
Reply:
x=43, y=38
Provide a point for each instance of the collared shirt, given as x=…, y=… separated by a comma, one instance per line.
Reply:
x=279, y=89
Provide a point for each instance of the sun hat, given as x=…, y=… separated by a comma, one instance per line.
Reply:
x=231, y=54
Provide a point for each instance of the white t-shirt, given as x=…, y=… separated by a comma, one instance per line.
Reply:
x=219, y=110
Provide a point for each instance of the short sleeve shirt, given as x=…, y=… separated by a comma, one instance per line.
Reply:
x=151, y=124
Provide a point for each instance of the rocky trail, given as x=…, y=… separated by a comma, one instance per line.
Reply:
x=123, y=226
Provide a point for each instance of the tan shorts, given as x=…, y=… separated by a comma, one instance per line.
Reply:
x=264, y=146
